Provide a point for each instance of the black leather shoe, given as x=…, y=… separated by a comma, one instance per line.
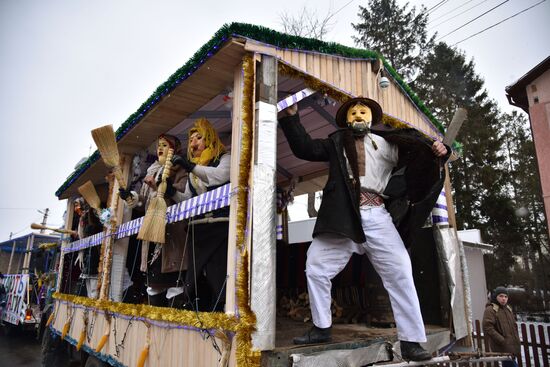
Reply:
x=412, y=351
x=315, y=335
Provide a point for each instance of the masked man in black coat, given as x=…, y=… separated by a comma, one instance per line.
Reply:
x=383, y=182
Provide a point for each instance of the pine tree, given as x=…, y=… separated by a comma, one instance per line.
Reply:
x=397, y=33
x=524, y=184
x=482, y=198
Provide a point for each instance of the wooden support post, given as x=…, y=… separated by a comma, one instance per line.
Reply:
x=114, y=203
x=27, y=255
x=232, y=262
x=120, y=247
x=68, y=226
x=449, y=197
x=263, y=254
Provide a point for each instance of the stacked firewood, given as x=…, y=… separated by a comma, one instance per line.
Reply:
x=297, y=308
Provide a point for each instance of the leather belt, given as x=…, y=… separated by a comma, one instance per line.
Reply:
x=370, y=199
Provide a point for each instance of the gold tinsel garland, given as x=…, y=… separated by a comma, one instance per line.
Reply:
x=331, y=91
x=247, y=320
x=208, y=320
x=245, y=325
x=313, y=83
x=246, y=148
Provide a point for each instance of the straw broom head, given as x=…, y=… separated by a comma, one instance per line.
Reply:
x=105, y=140
x=89, y=194
x=153, y=228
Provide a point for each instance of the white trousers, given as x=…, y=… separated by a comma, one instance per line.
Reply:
x=328, y=255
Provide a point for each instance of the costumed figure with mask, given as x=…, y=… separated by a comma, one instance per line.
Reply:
x=165, y=264
x=383, y=182
x=88, y=259
x=208, y=165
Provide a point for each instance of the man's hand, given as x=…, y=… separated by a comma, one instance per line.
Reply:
x=182, y=161
x=289, y=111
x=439, y=149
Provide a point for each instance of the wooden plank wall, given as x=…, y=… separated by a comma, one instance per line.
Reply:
x=169, y=347
x=356, y=77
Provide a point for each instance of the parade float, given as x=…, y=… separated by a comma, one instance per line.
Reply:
x=27, y=263
x=238, y=81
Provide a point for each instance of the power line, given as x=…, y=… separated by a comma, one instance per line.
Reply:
x=476, y=18
x=17, y=208
x=454, y=16
x=339, y=10
x=436, y=6
x=502, y=21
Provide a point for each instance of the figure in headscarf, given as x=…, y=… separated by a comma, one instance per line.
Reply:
x=208, y=165
x=165, y=264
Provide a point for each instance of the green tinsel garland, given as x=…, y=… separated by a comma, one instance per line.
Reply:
x=261, y=34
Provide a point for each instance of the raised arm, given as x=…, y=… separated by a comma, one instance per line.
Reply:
x=301, y=143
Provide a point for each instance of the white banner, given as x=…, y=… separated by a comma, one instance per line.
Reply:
x=16, y=286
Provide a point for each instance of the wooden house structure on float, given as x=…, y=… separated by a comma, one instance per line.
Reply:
x=235, y=80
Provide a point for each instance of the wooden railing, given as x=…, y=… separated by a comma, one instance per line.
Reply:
x=535, y=343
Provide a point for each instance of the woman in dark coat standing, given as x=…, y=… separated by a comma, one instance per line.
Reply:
x=499, y=325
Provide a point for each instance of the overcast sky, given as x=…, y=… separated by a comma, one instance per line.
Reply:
x=68, y=66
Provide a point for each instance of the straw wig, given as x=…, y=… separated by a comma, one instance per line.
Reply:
x=214, y=148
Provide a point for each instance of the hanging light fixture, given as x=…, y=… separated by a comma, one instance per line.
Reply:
x=383, y=81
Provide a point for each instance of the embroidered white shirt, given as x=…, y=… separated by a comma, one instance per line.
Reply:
x=379, y=163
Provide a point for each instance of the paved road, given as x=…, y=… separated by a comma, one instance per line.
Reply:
x=19, y=350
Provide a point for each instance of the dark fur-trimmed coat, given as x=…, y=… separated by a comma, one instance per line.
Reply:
x=499, y=325
x=412, y=190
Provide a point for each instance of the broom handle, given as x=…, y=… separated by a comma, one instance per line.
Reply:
x=117, y=171
x=167, y=166
x=40, y=226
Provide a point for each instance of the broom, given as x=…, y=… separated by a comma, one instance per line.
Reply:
x=90, y=195
x=58, y=230
x=105, y=140
x=154, y=223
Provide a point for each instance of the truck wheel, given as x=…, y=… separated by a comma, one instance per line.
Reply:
x=94, y=362
x=52, y=350
x=9, y=329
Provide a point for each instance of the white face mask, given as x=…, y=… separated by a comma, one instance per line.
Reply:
x=359, y=118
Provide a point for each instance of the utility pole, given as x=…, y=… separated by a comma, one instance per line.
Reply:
x=45, y=218
x=12, y=252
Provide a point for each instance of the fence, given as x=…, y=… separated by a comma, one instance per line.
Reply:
x=535, y=343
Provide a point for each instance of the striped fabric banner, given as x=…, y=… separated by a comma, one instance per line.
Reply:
x=204, y=203
x=90, y=241
x=295, y=98
x=440, y=215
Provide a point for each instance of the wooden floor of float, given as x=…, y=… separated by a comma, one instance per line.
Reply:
x=287, y=329
x=344, y=336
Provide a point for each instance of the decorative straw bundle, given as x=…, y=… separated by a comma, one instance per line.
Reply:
x=81, y=339
x=58, y=230
x=50, y=319
x=154, y=223
x=90, y=195
x=105, y=140
x=66, y=327
x=145, y=351
x=103, y=339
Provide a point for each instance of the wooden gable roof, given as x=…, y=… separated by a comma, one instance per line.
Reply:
x=196, y=89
